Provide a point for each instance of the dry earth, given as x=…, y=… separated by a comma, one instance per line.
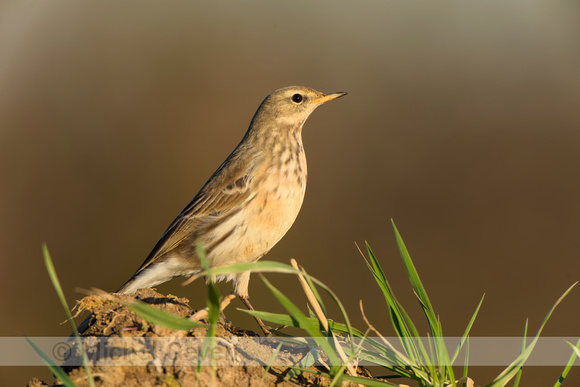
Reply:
x=169, y=358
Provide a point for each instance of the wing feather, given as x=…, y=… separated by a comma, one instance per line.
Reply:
x=216, y=201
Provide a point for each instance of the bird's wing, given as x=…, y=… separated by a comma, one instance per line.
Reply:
x=221, y=197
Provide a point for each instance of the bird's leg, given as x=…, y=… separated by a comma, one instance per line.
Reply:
x=258, y=320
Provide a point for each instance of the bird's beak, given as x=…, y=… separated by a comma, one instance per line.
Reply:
x=327, y=97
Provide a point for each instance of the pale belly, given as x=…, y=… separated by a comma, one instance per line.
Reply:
x=256, y=229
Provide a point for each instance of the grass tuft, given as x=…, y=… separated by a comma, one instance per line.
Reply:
x=339, y=346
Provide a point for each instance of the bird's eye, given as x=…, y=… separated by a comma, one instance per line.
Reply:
x=297, y=98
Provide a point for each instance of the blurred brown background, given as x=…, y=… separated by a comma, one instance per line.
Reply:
x=462, y=124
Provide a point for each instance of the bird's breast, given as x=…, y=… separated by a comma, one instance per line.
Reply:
x=279, y=196
x=278, y=188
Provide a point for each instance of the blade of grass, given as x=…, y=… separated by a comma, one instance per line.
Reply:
x=284, y=319
x=521, y=370
x=160, y=317
x=412, y=343
x=402, y=323
x=441, y=353
x=417, y=285
x=575, y=354
x=383, y=352
x=271, y=267
x=576, y=348
x=312, y=295
x=467, y=330
x=319, y=311
x=416, y=353
x=274, y=355
x=54, y=368
x=418, y=372
x=56, y=284
x=297, y=314
x=305, y=362
x=443, y=358
x=254, y=267
x=465, y=366
x=512, y=369
x=383, y=356
x=213, y=305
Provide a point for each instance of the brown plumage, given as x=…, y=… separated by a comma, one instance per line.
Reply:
x=248, y=204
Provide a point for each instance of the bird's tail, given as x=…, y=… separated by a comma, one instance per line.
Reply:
x=127, y=287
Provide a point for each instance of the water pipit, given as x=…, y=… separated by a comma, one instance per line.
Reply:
x=248, y=204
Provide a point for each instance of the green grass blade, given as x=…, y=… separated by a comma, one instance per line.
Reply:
x=213, y=305
x=254, y=267
x=576, y=348
x=274, y=267
x=521, y=370
x=55, y=369
x=575, y=354
x=417, y=285
x=337, y=302
x=383, y=356
x=284, y=319
x=416, y=357
x=355, y=353
x=512, y=369
x=402, y=323
x=416, y=353
x=431, y=356
x=311, y=281
x=316, y=294
x=305, y=362
x=442, y=355
x=270, y=363
x=296, y=313
x=160, y=317
x=56, y=284
x=465, y=365
x=443, y=359
x=391, y=362
x=467, y=330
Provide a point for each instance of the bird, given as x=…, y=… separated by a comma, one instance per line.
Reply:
x=247, y=205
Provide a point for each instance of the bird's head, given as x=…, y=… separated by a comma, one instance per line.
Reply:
x=291, y=106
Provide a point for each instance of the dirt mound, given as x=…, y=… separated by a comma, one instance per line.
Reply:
x=124, y=349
